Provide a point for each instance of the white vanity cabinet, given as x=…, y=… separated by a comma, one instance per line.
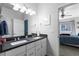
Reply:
x=31, y=52
x=30, y=49
x=43, y=47
x=2, y=54
x=37, y=48
x=20, y=51
x=34, y=49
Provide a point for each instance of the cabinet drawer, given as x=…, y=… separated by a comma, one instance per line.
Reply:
x=31, y=52
x=30, y=45
x=15, y=51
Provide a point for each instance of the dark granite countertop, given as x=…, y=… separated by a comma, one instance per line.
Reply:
x=7, y=46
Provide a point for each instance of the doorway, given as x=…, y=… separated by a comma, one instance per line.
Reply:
x=69, y=30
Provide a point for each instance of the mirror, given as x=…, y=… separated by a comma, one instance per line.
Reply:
x=18, y=27
x=13, y=19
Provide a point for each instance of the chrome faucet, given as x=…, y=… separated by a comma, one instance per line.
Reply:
x=15, y=39
x=18, y=38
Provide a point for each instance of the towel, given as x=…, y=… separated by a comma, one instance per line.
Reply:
x=3, y=28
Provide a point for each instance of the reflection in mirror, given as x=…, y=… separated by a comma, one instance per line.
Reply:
x=18, y=27
x=14, y=21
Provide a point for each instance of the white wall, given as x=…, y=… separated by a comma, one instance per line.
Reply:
x=44, y=11
x=51, y=30
x=32, y=20
x=18, y=27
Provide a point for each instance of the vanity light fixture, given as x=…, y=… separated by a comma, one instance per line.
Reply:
x=22, y=9
x=33, y=13
x=16, y=7
x=28, y=11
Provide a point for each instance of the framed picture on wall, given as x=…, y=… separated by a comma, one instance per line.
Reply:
x=66, y=26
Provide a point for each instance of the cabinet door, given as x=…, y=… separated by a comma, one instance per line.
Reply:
x=38, y=50
x=30, y=45
x=2, y=54
x=16, y=51
x=31, y=52
x=21, y=54
x=43, y=47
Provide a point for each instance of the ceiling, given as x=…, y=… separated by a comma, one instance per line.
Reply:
x=70, y=10
x=34, y=6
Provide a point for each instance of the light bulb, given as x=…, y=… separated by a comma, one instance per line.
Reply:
x=23, y=9
x=32, y=13
x=28, y=11
x=16, y=7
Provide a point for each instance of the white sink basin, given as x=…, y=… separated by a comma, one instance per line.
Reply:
x=36, y=37
x=18, y=42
